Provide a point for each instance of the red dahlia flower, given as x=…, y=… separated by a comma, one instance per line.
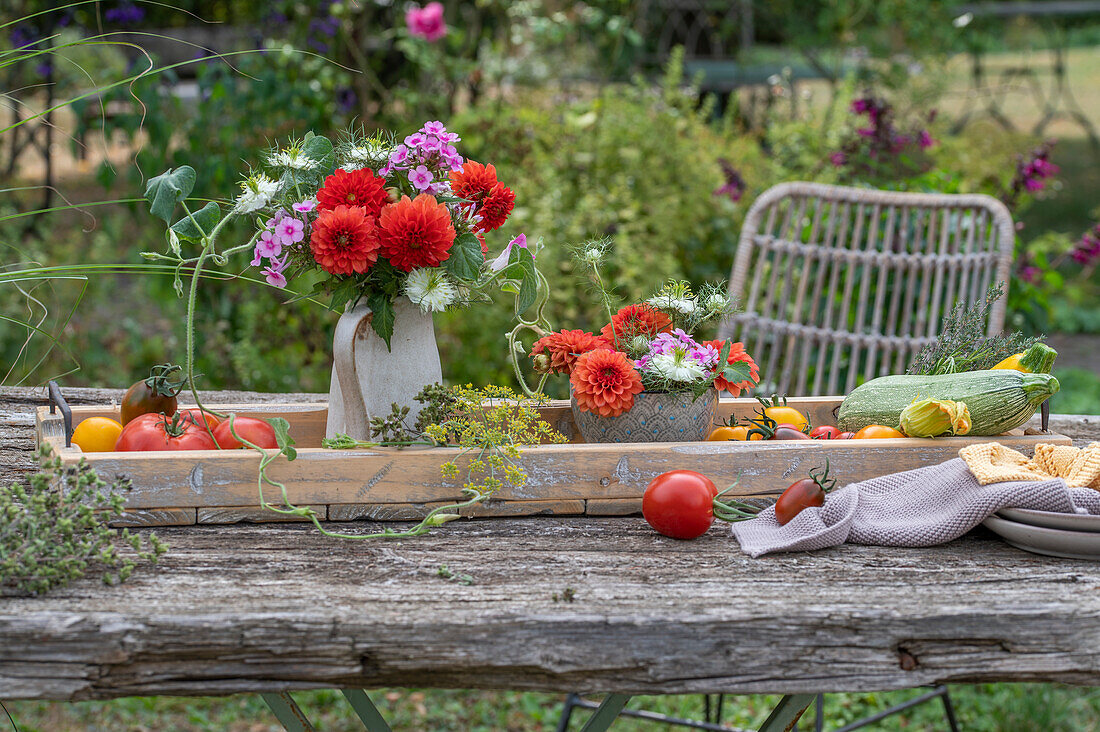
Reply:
x=737, y=353
x=355, y=188
x=565, y=347
x=344, y=240
x=605, y=382
x=416, y=233
x=473, y=181
x=494, y=211
x=635, y=320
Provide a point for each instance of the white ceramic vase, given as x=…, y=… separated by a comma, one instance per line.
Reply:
x=367, y=378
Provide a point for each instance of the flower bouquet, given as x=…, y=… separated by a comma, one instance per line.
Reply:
x=645, y=378
x=387, y=230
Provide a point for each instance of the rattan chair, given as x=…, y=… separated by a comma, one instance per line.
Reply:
x=836, y=285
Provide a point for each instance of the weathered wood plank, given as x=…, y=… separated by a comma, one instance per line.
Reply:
x=613, y=506
x=251, y=514
x=160, y=517
x=417, y=511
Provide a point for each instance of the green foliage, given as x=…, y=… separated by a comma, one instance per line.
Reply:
x=53, y=529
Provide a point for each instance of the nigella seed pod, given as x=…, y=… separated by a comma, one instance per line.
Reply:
x=393, y=195
x=542, y=363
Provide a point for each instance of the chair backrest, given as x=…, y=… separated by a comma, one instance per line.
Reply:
x=840, y=284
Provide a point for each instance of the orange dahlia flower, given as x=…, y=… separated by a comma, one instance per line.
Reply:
x=355, y=188
x=737, y=353
x=565, y=347
x=416, y=232
x=344, y=240
x=605, y=382
x=635, y=320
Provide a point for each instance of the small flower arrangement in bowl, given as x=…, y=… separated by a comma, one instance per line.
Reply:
x=645, y=377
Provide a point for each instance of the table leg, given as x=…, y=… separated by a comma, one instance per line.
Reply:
x=288, y=713
x=368, y=713
x=788, y=711
x=607, y=713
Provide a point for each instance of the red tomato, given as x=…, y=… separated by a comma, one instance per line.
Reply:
x=256, y=431
x=845, y=436
x=824, y=432
x=157, y=432
x=193, y=416
x=803, y=494
x=680, y=504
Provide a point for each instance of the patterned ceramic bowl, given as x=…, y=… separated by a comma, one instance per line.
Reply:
x=655, y=417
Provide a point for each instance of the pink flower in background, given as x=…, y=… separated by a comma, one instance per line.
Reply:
x=426, y=22
x=305, y=206
x=421, y=177
x=1031, y=274
x=290, y=231
x=838, y=159
x=924, y=140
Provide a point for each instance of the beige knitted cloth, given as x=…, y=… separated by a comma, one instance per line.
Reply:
x=992, y=462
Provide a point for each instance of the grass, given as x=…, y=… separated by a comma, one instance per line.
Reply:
x=980, y=708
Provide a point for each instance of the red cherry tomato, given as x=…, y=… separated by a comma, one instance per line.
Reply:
x=157, y=432
x=680, y=504
x=824, y=432
x=256, y=431
x=802, y=494
x=845, y=436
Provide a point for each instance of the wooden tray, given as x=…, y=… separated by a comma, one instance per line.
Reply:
x=215, y=486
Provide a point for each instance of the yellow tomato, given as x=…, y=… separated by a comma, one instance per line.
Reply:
x=97, y=434
x=788, y=415
x=877, y=432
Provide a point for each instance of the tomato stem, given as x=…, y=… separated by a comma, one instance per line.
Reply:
x=733, y=510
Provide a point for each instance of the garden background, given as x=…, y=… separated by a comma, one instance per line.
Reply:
x=654, y=122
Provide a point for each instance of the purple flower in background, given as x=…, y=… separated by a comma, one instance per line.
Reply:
x=426, y=22
x=21, y=37
x=1087, y=251
x=420, y=177
x=1031, y=274
x=734, y=187
x=346, y=99
x=124, y=13
x=924, y=140
x=838, y=158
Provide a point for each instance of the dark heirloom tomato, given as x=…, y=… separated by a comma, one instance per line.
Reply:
x=803, y=494
x=154, y=395
x=256, y=431
x=680, y=504
x=157, y=432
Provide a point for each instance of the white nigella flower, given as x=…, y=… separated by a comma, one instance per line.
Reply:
x=677, y=365
x=369, y=154
x=429, y=288
x=291, y=158
x=683, y=305
x=256, y=192
x=717, y=302
x=593, y=255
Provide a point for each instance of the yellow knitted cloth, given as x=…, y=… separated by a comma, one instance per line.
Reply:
x=992, y=462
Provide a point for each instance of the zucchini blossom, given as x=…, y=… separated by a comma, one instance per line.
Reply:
x=935, y=417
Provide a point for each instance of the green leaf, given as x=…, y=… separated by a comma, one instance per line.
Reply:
x=320, y=149
x=382, y=316
x=169, y=188
x=724, y=354
x=528, y=286
x=282, y=437
x=466, y=258
x=737, y=372
x=206, y=217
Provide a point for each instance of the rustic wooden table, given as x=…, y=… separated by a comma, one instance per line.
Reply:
x=553, y=604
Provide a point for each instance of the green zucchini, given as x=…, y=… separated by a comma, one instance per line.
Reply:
x=998, y=399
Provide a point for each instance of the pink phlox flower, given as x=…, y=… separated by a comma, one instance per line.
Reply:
x=271, y=244
x=290, y=230
x=257, y=257
x=454, y=162
x=447, y=150
x=305, y=206
x=433, y=128
x=399, y=155
x=273, y=272
x=502, y=260
x=279, y=215
x=420, y=177
x=415, y=140
x=449, y=137
x=426, y=22
x=385, y=170
x=431, y=144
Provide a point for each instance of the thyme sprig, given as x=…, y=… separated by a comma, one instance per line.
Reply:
x=963, y=344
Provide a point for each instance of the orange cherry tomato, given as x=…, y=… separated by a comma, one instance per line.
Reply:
x=788, y=415
x=738, y=432
x=877, y=432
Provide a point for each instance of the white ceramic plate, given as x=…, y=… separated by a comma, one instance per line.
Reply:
x=1052, y=520
x=1042, y=540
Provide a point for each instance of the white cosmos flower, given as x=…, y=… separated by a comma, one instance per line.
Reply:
x=683, y=305
x=256, y=192
x=677, y=365
x=429, y=288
